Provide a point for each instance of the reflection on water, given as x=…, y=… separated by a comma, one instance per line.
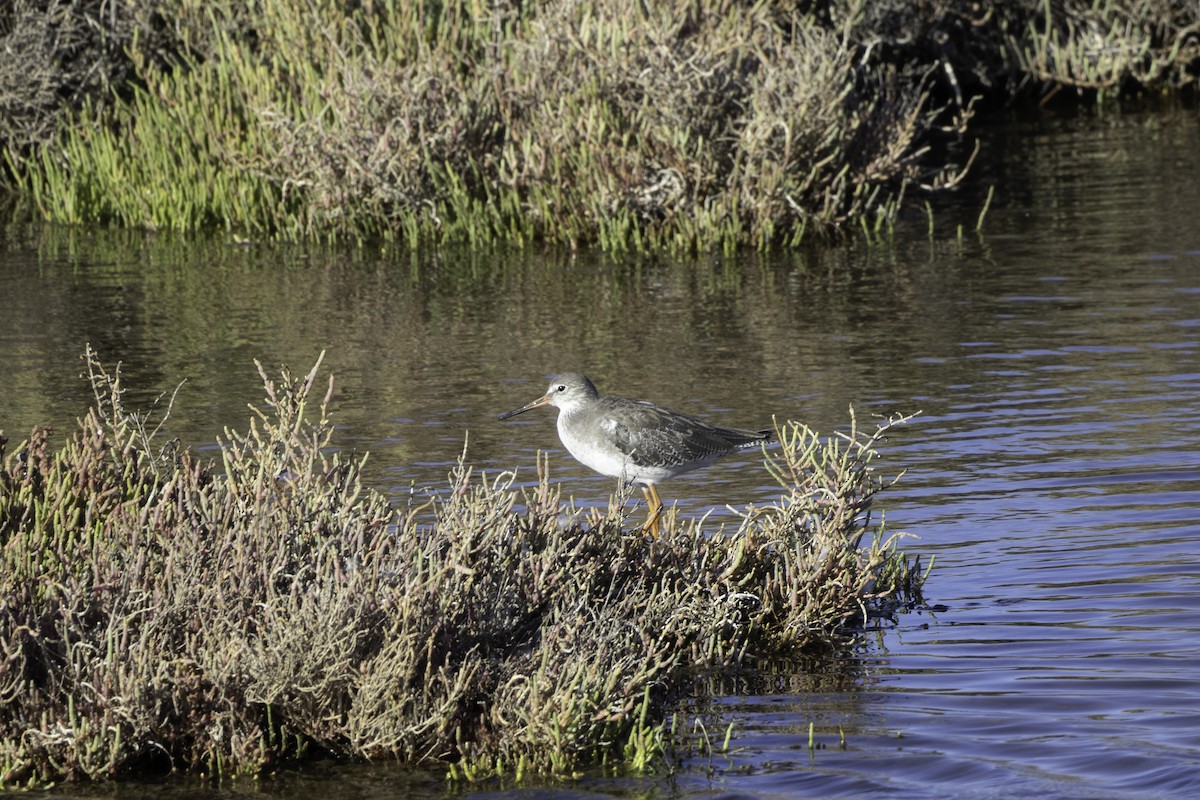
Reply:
x=1054, y=472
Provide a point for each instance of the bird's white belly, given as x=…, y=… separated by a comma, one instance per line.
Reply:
x=603, y=457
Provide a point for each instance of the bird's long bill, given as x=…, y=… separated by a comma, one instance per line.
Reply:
x=541, y=401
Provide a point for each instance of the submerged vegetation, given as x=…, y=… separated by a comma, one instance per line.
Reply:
x=621, y=123
x=159, y=612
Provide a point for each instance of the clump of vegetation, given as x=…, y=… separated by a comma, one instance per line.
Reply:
x=624, y=124
x=1035, y=49
x=157, y=612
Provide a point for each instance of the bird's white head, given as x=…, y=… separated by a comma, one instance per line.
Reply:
x=566, y=392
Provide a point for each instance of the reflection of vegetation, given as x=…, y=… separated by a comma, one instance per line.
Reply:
x=160, y=612
x=819, y=693
x=627, y=124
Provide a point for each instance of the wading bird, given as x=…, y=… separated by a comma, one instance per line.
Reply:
x=633, y=440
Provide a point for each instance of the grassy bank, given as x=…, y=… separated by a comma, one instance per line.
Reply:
x=629, y=125
x=159, y=612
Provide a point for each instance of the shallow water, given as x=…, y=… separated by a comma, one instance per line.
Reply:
x=1053, y=473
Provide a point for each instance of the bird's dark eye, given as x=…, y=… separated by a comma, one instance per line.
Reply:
x=562, y=387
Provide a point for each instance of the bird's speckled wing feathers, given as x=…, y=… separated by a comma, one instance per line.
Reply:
x=652, y=436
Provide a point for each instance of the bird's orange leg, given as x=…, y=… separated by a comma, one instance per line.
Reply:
x=654, y=507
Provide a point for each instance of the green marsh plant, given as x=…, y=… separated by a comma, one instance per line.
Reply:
x=622, y=124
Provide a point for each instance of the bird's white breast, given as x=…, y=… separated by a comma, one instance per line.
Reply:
x=598, y=453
